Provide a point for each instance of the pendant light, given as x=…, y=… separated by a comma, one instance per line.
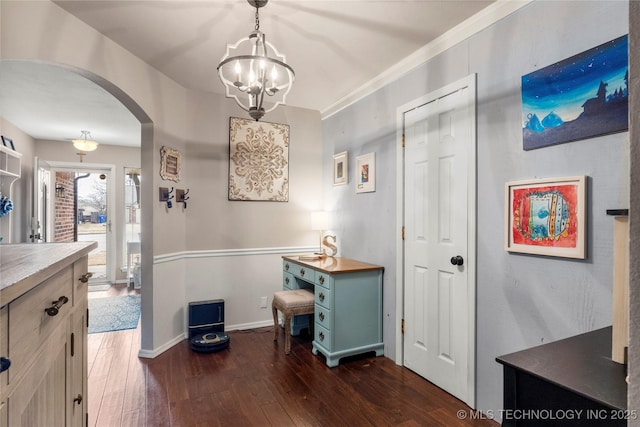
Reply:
x=253, y=68
x=85, y=143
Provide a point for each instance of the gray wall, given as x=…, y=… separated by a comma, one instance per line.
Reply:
x=522, y=300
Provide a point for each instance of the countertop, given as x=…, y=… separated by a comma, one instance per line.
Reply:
x=25, y=265
x=332, y=265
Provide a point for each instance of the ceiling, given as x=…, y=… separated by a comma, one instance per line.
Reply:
x=334, y=46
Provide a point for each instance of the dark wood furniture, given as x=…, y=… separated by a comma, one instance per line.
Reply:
x=570, y=382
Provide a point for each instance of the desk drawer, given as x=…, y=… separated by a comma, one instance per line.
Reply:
x=324, y=280
x=288, y=281
x=322, y=336
x=323, y=296
x=29, y=323
x=300, y=271
x=322, y=316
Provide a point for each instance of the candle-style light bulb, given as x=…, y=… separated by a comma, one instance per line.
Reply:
x=238, y=70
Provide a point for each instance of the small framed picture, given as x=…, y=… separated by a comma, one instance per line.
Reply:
x=8, y=142
x=366, y=173
x=340, y=168
x=546, y=217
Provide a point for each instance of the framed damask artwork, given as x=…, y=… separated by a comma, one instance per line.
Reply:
x=169, y=164
x=546, y=217
x=258, y=161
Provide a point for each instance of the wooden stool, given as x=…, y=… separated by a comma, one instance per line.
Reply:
x=290, y=303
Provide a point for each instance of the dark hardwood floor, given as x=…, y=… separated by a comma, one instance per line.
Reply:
x=253, y=383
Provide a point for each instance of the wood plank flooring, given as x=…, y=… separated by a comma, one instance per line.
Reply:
x=253, y=383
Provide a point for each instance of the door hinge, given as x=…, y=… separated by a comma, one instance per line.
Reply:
x=403, y=140
x=87, y=317
x=402, y=327
x=73, y=344
x=403, y=232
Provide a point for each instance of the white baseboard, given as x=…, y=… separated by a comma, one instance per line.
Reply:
x=150, y=354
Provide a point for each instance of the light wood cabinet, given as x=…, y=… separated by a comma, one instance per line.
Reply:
x=43, y=327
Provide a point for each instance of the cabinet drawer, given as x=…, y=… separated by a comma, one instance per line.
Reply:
x=323, y=296
x=322, y=316
x=322, y=337
x=288, y=281
x=29, y=323
x=324, y=280
x=300, y=271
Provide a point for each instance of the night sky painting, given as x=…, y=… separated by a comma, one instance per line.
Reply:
x=580, y=97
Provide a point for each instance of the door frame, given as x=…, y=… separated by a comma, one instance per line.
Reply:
x=110, y=237
x=470, y=262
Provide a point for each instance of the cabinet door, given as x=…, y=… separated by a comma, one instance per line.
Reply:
x=78, y=369
x=78, y=347
x=40, y=397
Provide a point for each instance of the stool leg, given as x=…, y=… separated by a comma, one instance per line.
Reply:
x=275, y=321
x=287, y=333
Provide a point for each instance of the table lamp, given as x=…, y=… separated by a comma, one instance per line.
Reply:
x=320, y=222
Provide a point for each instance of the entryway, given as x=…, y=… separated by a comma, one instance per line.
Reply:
x=71, y=203
x=438, y=214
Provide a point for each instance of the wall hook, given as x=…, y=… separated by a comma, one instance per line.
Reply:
x=181, y=196
x=166, y=196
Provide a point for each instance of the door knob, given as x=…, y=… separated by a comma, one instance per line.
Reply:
x=457, y=260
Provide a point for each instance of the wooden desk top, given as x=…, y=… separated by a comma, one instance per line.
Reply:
x=25, y=265
x=580, y=364
x=334, y=265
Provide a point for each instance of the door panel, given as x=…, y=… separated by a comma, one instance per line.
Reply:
x=437, y=297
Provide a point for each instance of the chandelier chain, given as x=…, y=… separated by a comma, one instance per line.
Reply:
x=257, y=28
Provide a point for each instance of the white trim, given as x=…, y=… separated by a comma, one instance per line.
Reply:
x=476, y=23
x=159, y=259
x=151, y=354
x=470, y=262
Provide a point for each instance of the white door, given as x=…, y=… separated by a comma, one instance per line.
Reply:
x=439, y=256
x=40, y=202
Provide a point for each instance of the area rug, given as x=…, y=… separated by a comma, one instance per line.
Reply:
x=113, y=313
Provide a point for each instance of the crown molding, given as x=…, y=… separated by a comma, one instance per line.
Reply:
x=474, y=24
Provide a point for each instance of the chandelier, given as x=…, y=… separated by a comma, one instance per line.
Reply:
x=253, y=68
x=85, y=143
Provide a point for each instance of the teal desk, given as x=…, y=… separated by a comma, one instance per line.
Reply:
x=348, y=304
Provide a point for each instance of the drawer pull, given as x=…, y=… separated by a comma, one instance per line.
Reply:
x=321, y=336
x=85, y=277
x=321, y=280
x=286, y=280
x=78, y=399
x=321, y=316
x=4, y=364
x=321, y=297
x=55, y=307
x=302, y=272
x=286, y=266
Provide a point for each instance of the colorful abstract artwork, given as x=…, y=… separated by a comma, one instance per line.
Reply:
x=580, y=97
x=258, y=161
x=546, y=217
x=366, y=173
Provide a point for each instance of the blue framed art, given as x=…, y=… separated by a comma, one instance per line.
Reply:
x=580, y=97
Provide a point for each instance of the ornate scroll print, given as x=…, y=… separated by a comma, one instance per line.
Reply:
x=258, y=160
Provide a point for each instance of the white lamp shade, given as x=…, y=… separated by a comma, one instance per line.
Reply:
x=85, y=144
x=320, y=220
